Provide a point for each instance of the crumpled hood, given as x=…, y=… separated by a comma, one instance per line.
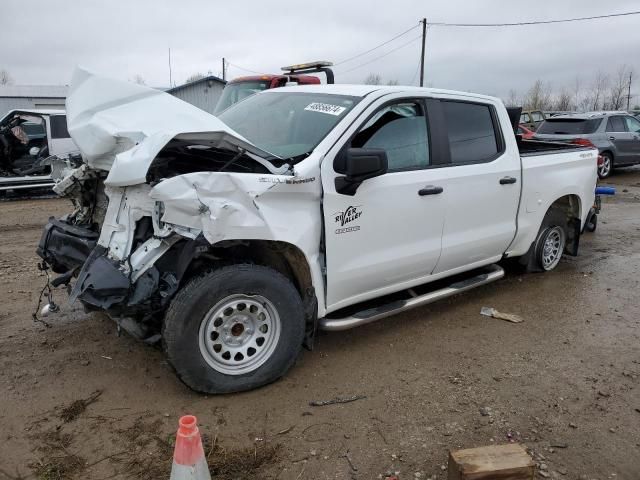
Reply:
x=121, y=126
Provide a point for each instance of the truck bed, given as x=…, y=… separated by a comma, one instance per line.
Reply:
x=537, y=147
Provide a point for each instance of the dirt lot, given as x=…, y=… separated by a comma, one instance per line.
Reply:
x=80, y=402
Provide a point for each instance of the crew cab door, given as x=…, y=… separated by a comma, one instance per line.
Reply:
x=386, y=236
x=481, y=188
x=621, y=139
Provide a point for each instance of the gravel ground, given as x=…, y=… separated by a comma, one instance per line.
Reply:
x=78, y=401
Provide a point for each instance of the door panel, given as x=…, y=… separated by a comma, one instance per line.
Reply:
x=480, y=212
x=622, y=140
x=481, y=189
x=387, y=236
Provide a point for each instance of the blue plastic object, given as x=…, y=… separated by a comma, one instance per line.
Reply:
x=605, y=191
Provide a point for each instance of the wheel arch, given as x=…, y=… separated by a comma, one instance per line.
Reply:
x=567, y=209
x=285, y=258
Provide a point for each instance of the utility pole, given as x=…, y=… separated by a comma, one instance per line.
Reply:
x=170, y=82
x=424, y=39
x=224, y=69
x=629, y=91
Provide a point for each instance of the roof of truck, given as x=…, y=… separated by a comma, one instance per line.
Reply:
x=363, y=90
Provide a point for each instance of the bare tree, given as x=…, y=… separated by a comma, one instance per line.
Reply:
x=538, y=97
x=392, y=83
x=618, y=89
x=512, y=100
x=596, y=98
x=139, y=79
x=194, y=77
x=5, y=78
x=373, y=79
x=563, y=101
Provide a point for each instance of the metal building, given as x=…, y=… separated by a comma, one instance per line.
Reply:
x=203, y=93
x=49, y=97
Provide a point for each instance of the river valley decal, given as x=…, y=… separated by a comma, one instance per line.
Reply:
x=348, y=215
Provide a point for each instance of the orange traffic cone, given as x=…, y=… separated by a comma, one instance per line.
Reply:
x=188, y=457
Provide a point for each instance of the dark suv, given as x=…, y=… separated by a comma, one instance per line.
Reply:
x=616, y=134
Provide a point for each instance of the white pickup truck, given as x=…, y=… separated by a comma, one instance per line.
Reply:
x=330, y=206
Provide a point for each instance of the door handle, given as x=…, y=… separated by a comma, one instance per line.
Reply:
x=430, y=190
x=612, y=138
x=507, y=180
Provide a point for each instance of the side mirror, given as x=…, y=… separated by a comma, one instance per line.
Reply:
x=358, y=165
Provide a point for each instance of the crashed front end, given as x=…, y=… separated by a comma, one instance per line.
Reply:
x=151, y=203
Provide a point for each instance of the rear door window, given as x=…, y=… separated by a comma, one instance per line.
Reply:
x=569, y=126
x=473, y=134
x=616, y=124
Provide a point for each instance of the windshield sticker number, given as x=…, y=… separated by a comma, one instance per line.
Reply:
x=325, y=108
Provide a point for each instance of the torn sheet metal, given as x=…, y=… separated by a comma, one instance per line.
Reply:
x=120, y=126
x=226, y=206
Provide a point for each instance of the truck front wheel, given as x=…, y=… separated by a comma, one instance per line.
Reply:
x=234, y=329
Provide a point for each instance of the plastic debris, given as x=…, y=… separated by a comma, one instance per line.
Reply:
x=509, y=317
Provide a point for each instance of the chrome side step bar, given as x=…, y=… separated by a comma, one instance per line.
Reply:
x=490, y=274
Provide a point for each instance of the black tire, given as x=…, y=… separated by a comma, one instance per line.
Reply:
x=546, y=235
x=606, y=170
x=533, y=260
x=190, y=311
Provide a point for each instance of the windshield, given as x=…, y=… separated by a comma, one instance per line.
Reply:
x=234, y=92
x=569, y=126
x=287, y=124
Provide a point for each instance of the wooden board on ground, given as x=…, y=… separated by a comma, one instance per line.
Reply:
x=503, y=462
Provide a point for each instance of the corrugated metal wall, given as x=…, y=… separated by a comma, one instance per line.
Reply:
x=12, y=103
x=203, y=95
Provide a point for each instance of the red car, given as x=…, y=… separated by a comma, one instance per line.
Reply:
x=525, y=132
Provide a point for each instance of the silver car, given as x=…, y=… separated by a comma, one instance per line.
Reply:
x=616, y=134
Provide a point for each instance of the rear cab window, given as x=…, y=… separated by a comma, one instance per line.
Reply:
x=569, y=126
x=473, y=131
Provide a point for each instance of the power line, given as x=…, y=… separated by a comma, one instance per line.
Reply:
x=242, y=68
x=376, y=47
x=541, y=22
x=383, y=55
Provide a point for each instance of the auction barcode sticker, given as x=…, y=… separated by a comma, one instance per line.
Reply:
x=325, y=108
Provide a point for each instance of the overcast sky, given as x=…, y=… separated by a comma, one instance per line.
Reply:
x=42, y=40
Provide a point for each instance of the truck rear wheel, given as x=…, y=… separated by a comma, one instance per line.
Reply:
x=550, y=247
x=234, y=329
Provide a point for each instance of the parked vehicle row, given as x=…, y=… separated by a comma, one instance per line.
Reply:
x=325, y=206
x=615, y=134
